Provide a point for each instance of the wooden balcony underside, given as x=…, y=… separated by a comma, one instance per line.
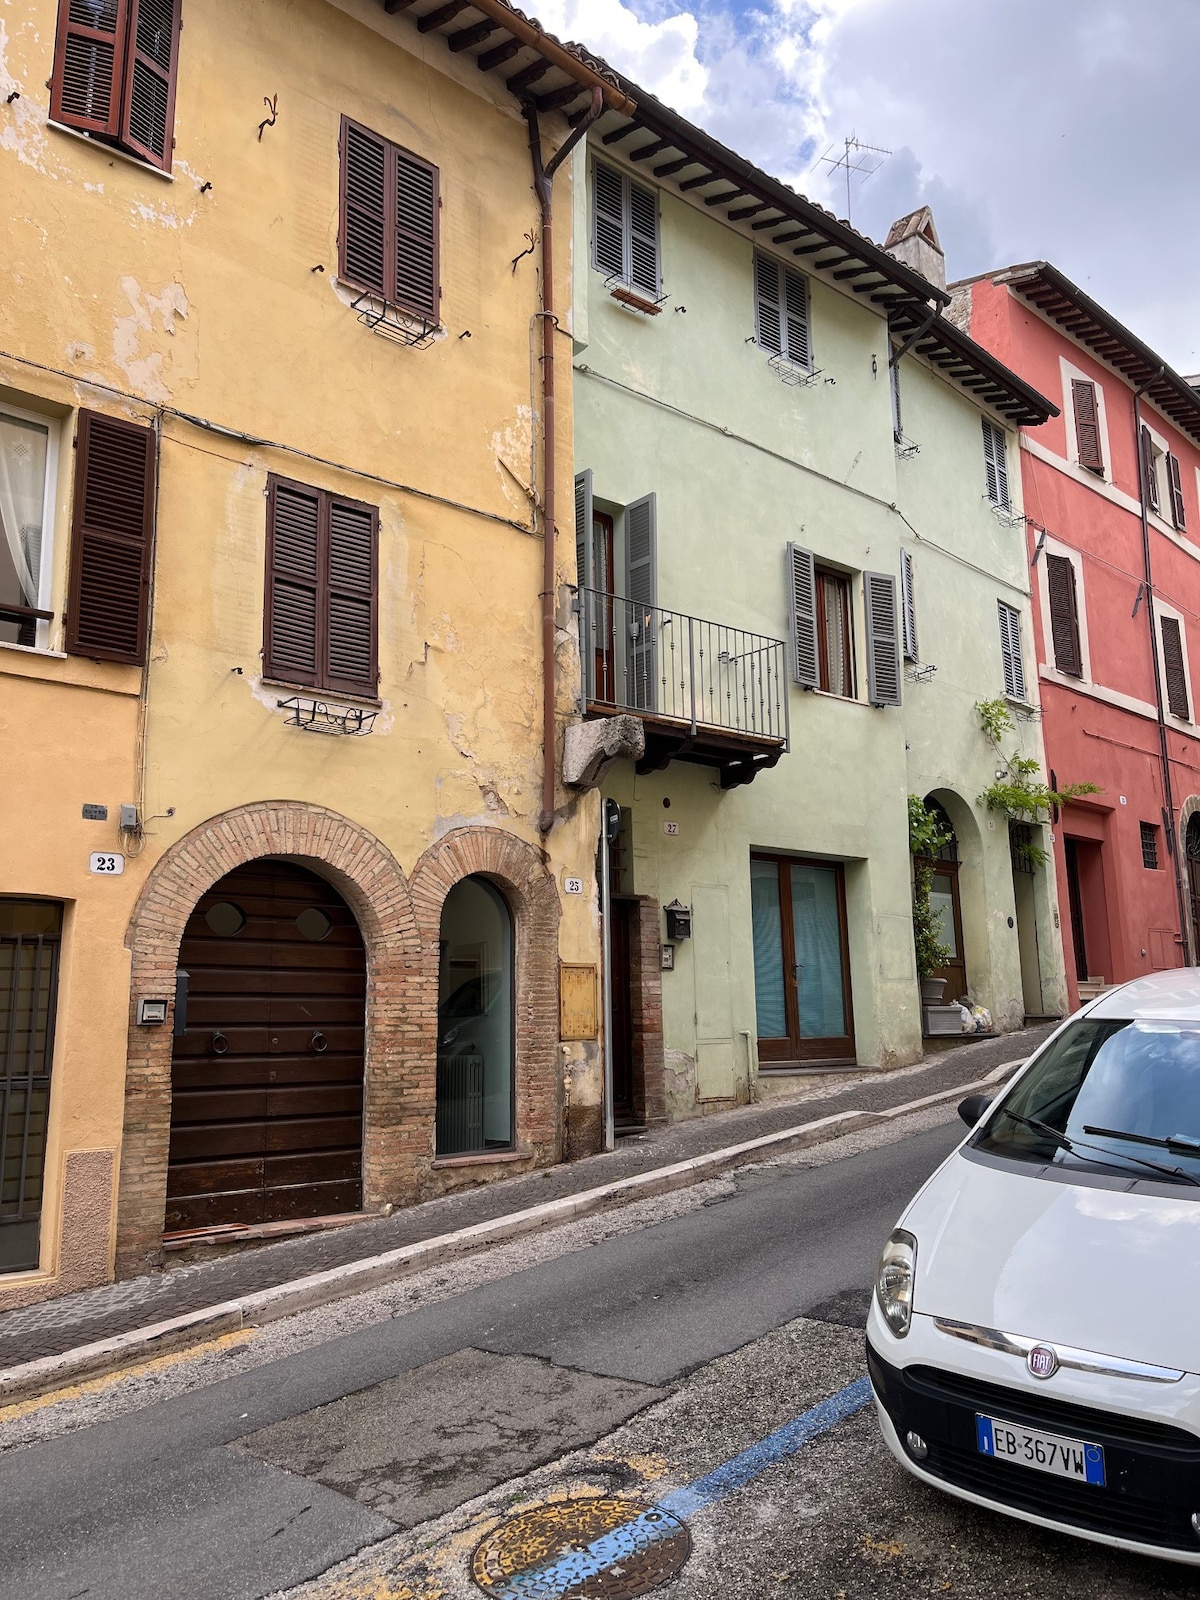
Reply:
x=738, y=756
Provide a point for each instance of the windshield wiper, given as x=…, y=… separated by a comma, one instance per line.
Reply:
x=1074, y=1146
x=1175, y=1141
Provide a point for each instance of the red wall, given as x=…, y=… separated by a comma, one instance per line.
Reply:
x=1130, y=913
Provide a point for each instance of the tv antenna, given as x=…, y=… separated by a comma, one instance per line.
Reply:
x=856, y=157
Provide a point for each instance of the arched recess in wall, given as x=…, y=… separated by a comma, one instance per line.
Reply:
x=1189, y=848
x=961, y=893
x=368, y=878
x=518, y=871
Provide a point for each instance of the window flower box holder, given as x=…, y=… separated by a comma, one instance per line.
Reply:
x=796, y=377
x=314, y=716
x=634, y=299
x=393, y=322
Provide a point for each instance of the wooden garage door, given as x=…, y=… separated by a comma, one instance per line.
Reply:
x=267, y=1080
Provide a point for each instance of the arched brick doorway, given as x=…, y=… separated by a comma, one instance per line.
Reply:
x=268, y=1051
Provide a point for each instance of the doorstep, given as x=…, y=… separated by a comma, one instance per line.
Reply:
x=246, y=1233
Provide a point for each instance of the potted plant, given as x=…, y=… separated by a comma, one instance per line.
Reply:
x=925, y=838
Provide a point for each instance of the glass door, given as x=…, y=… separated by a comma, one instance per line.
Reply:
x=801, y=960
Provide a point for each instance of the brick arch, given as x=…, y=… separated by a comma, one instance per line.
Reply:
x=371, y=882
x=519, y=870
x=1187, y=811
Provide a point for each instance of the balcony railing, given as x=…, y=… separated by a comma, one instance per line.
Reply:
x=667, y=665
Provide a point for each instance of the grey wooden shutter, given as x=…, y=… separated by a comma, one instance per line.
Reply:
x=608, y=221
x=995, y=465
x=1087, y=424
x=802, y=595
x=642, y=268
x=883, y=639
x=586, y=579
x=795, y=311
x=1149, y=469
x=415, y=284
x=362, y=242
x=1011, y=653
x=768, y=321
x=112, y=540
x=293, y=588
x=151, y=66
x=89, y=64
x=1176, y=676
x=897, y=417
x=1175, y=484
x=641, y=590
x=351, y=597
x=908, y=604
x=1064, y=615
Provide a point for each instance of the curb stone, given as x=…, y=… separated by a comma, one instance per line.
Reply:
x=36, y=1378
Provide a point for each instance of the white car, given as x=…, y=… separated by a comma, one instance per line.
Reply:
x=1034, y=1335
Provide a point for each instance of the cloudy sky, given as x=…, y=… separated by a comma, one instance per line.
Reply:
x=1037, y=129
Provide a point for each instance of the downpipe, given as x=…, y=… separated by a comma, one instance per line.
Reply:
x=543, y=183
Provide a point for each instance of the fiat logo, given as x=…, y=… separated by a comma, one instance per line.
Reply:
x=1042, y=1361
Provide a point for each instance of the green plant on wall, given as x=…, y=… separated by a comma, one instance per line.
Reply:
x=1022, y=794
x=926, y=836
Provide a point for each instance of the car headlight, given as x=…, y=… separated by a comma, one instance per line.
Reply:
x=894, y=1281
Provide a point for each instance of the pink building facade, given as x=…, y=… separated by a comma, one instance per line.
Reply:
x=1112, y=501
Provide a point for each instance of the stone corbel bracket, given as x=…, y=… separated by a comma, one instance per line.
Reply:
x=590, y=748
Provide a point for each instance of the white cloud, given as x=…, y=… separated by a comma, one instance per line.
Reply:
x=661, y=56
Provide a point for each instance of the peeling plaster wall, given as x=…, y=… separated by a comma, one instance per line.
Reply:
x=222, y=302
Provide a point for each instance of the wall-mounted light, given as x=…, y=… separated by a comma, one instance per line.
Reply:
x=679, y=920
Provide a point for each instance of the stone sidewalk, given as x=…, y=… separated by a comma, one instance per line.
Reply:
x=60, y=1325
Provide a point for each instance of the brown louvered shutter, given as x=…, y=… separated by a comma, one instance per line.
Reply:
x=352, y=597
x=1149, y=469
x=364, y=209
x=415, y=184
x=89, y=64
x=1177, y=693
x=1178, y=515
x=152, y=58
x=1064, y=615
x=293, y=592
x=112, y=540
x=1087, y=425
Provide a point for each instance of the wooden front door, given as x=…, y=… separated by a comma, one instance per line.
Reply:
x=621, y=940
x=801, y=961
x=1192, y=852
x=267, y=1079
x=943, y=895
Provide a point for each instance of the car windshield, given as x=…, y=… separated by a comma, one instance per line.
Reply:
x=1100, y=1080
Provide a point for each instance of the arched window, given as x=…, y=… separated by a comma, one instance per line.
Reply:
x=475, y=1021
x=949, y=851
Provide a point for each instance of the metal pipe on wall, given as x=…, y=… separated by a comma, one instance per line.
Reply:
x=543, y=183
x=1173, y=842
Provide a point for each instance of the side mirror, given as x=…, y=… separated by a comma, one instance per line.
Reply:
x=973, y=1107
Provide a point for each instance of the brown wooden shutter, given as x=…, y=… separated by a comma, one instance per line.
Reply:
x=1177, y=692
x=152, y=59
x=1064, y=615
x=415, y=274
x=1178, y=515
x=89, y=64
x=112, y=540
x=1087, y=425
x=350, y=609
x=293, y=590
x=364, y=209
x=1149, y=469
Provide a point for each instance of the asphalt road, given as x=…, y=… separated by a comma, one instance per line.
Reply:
x=373, y=1462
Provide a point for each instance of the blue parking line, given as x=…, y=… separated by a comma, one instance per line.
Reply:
x=660, y=1522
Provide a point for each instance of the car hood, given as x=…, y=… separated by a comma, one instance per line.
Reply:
x=1102, y=1269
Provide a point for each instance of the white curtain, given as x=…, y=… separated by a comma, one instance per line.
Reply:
x=22, y=499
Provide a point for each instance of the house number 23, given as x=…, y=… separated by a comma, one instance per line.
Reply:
x=109, y=865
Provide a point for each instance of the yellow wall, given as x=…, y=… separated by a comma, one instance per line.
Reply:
x=207, y=303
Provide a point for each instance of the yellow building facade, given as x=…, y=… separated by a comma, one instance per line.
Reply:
x=282, y=907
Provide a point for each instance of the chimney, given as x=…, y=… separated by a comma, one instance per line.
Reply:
x=913, y=239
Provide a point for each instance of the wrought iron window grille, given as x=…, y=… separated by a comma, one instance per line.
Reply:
x=393, y=322
x=314, y=716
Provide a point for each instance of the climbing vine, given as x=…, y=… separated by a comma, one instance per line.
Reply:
x=926, y=836
x=1021, y=794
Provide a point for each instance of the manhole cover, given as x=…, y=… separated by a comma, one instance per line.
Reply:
x=547, y=1553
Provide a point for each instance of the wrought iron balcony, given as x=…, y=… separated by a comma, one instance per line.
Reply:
x=706, y=692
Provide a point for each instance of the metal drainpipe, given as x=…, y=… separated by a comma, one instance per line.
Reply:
x=1152, y=623
x=543, y=183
